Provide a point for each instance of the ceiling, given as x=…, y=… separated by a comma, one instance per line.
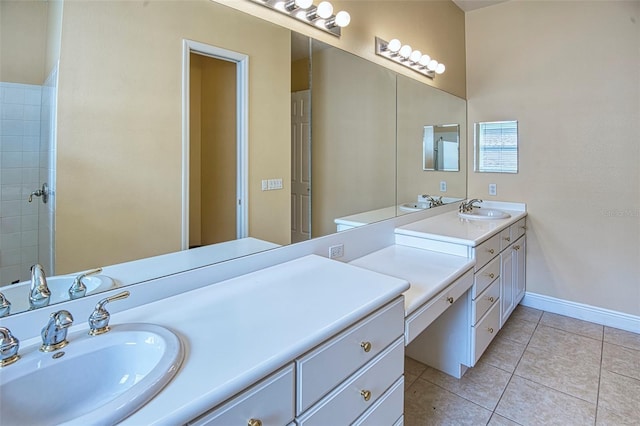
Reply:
x=469, y=5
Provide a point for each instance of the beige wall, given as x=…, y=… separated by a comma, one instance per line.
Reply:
x=23, y=41
x=120, y=128
x=568, y=72
x=352, y=168
x=435, y=27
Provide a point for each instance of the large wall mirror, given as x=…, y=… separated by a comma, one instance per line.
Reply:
x=117, y=179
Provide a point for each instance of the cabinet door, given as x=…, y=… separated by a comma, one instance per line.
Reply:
x=506, y=284
x=520, y=249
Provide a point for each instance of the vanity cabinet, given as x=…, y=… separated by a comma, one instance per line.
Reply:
x=355, y=376
x=512, y=289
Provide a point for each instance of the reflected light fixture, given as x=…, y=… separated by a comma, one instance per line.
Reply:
x=403, y=54
x=320, y=16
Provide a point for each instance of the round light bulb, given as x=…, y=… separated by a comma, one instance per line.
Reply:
x=415, y=56
x=304, y=4
x=394, y=45
x=433, y=64
x=424, y=60
x=440, y=69
x=325, y=10
x=343, y=18
x=405, y=51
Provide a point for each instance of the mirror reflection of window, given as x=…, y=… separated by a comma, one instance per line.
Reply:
x=496, y=147
x=441, y=147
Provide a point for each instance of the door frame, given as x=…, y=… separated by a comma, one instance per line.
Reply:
x=242, y=132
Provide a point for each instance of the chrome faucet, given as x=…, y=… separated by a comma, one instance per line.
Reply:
x=9, y=347
x=78, y=289
x=466, y=207
x=39, y=294
x=54, y=334
x=99, y=318
x=5, y=306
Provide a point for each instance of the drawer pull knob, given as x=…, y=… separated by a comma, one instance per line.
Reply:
x=490, y=251
x=254, y=422
x=517, y=247
x=366, y=346
x=366, y=394
x=491, y=275
x=507, y=239
x=490, y=330
x=523, y=227
x=450, y=300
x=491, y=299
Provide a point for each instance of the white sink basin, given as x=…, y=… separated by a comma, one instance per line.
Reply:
x=484, y=214
x=414, y=207
x=99, y=379
x=18, y=294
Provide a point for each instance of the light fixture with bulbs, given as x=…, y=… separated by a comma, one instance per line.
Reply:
x=403, y=54
x=320, y=16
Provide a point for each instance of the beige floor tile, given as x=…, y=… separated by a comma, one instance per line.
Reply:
x=503, y=353
x=409, y=378
x=482, y=384
x=428, y=404
x=622, y=338
x=564, y=374
x=526, y=313
x=562, y=343
x=517, y=330
x=498, y=420
x=572, y=325
x=609, y=418
x=621, y=360
x=619, y=394
x=529, y=403
x=413, y=366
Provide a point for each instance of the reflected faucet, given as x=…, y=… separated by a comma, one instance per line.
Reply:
x=466, y=207
x=5, y=306
x=54, y=334
x=78, y=289
x=39, y=294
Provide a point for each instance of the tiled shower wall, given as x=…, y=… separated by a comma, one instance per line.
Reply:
x=27, y=154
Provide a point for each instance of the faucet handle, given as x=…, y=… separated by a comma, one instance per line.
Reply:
x=99, y=318
x=78, y=289
x=9, y=347
x=5, y=306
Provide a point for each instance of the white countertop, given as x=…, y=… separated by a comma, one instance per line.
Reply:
x=364, y=218
x=449, y=227
x=427, y=271
x=238, y=331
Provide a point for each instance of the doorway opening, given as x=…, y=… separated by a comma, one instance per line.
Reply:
x=215, y=109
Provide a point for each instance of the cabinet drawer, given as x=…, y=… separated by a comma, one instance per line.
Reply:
x=347, y=402
x=518, y=229
x=505, y=238
x=484, y=331
x=482, y=303
x=418, y=321
x=387, y=409
x=329, y=364
x=270, y=401
x=486, y=276
x=486, y=251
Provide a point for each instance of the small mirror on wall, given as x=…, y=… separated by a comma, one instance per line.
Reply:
x=496, y=147
x=441, y=147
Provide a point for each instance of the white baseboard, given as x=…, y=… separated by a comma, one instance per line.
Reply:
x=583, y=312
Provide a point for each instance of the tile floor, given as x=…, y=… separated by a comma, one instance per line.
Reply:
x=541, y=369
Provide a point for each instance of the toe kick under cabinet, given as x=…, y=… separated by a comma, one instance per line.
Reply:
x=457, y=339
x=356, y=377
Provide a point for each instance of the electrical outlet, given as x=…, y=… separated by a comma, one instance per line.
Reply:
x=443, y=186
x=264, y=185
x=336, y=251
x=493, y=189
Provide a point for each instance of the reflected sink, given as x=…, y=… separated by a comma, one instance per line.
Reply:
x=99, y=379
x=414, y=207
x=18, y=294
x=484, y=214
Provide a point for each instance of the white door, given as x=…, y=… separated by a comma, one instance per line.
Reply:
x=300, y=166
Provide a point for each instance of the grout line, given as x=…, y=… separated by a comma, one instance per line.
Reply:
x=595, y=420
